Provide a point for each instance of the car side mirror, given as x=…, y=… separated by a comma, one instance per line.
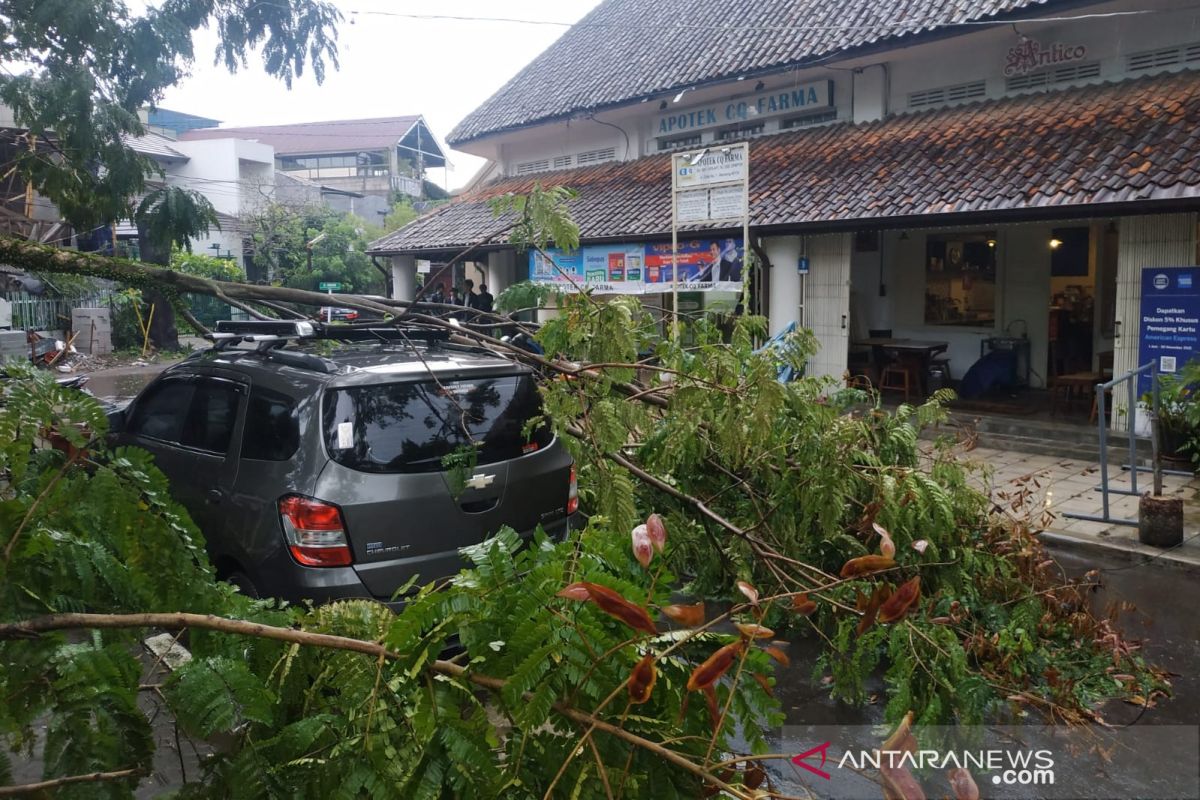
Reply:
x=116, y=419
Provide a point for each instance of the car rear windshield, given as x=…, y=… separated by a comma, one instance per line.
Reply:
x=411, y=426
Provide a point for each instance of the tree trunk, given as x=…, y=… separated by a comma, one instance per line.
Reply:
x=163, y=334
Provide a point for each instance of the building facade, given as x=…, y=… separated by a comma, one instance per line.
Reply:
x=981, y=173
x=365, y=160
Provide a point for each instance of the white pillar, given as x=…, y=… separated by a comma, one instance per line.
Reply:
x=784, y=302
x=1153, y=240
x=404, y=277
x=501, y=271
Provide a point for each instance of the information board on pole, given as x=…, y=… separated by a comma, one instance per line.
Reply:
x=1169, y=323
x=710, y=186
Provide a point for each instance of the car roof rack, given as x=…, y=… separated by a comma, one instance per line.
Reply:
x=381, y=333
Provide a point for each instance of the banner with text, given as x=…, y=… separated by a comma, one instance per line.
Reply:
x=705, y=265
x=1170, y=319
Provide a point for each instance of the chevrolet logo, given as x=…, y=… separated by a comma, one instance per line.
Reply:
x=480, y=481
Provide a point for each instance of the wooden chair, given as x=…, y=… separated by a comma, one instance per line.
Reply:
x=901, y=375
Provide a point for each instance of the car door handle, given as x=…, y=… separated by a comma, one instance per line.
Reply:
x=214, y=496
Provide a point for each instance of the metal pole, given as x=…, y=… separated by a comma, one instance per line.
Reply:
x=1155, y=459
x=674, y=251
x=1133, y=432
x=1100, y=403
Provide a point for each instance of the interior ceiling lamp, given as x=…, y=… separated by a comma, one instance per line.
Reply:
x=1055, y=244
x=991, y=242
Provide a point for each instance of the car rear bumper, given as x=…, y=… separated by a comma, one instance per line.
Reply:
x=285, y=579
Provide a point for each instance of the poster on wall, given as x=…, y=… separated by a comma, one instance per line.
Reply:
x=705, y=265
x=1169, y=323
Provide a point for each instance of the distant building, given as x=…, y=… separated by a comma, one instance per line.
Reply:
x=371, y=158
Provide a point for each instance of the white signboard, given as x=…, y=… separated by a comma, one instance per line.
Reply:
x=708, y=186
x=727, y=203
x=715, y=165
x=692, y=206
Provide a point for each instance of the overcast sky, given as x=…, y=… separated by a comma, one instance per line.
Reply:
x=390, y=66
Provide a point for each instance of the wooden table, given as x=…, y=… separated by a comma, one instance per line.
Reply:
x=920, y=349
x=1072, y=385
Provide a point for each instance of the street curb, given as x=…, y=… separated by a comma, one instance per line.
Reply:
x=1132, y=552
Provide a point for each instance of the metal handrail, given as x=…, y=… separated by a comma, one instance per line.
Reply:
x=1129, y=378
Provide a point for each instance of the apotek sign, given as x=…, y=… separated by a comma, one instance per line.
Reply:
x=799, y=99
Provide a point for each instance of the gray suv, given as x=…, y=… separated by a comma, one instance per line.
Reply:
x=312, y=460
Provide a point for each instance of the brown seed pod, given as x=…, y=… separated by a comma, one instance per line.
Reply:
x=865, y=565
x=688, y=616
x=802, y=605
x=716, y=665
x=575, y=591
x=615, y=605
x=641, y=680
x=880, y=594
x=899, y=603
x=778, y=654
x=752, y=631
x=748, y=590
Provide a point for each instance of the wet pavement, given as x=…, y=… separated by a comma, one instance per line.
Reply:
x=119, y=385
x=1163, y=617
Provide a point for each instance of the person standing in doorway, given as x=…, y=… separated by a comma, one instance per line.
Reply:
x=484, y=300
x=469, y=296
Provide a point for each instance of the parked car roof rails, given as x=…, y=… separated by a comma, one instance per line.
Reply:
x=381, y=333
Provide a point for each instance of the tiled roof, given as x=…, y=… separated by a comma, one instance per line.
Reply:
x=154, y=145
x=1119, y=142
x=625, y=50
x=336, y=136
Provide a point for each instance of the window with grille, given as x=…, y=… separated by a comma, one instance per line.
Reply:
x=1164, y=57
x=1051, y=77
x=958, y=93
x=680, y=141
x=529, y=167
x=808, y=120
x=596, y=156
x=741, y=132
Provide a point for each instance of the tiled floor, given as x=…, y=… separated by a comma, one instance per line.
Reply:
x=1060, y=486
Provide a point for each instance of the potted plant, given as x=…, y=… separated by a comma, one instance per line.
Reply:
x=1179, y=416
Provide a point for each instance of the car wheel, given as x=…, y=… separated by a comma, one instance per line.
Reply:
x=241, y=582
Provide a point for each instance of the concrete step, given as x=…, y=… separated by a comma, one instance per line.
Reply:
x=1057, y=438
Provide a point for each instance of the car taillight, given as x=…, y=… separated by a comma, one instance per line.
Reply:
x=314, y=531
x=573, y=493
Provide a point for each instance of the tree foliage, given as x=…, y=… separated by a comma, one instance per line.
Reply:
x=538, y=700
x=91, y=66
x=281, y=232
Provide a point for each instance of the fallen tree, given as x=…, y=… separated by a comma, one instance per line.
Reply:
x=809, y=505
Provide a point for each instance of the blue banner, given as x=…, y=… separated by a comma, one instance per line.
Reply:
x=704, y=265
x=1169, y=325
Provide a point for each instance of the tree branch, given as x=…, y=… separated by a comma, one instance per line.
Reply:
x=58, y=622
x=55, y=783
